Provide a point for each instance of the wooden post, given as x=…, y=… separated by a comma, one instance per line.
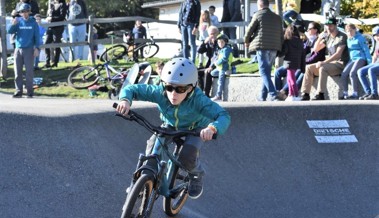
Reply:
x=91, y=43
x=3, y=47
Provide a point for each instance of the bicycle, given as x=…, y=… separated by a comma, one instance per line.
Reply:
x=158, y=174
x=130, y=49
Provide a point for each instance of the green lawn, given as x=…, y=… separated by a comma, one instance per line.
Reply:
x=55, y=79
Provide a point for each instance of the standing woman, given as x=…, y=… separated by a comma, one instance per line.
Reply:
x=57, y=12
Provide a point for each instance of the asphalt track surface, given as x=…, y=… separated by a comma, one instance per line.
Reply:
x=74, y=158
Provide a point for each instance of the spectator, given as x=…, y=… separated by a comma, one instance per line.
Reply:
x=139, y=32
x=214, y=18
x=359, y=57
x=372, y=70
x=327, y=4
x=204, y=23
x=335, y=43
x=223, y=61
x=309, y=6
x=77, y=32
x=27, y=47
x=264, y=35
x=56, y=13
x=158, y=68
x=312, y=56
x=291, y=10
x=294, y=59
x=231, y=13
x=188, y=23
x=42, y=31
x=210, y=48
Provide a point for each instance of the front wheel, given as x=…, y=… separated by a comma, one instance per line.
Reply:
x=113, y=53
x=178, y=191
x=83, y=77
x=149, y=50
x=137, y=201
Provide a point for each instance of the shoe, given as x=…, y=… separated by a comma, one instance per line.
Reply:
x=343, y=97
x=216, y=98
x=296, y=98
x=364, y=96
x=273, y=98
x=46, y=66
x=372, y=97
x=29, y=96
x=318, y=97
x=282, y=95
x=305, y=97
x=352, y=97
x=17, y=95
x=289, y=98
x=54, y=65
x=195, y=188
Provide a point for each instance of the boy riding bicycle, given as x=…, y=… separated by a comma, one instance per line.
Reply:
x=182, y=106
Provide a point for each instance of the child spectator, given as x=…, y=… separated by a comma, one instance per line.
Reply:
x=182, y=106
x=222, y=63
x=294, y=59
x=372, y=70
x=359, y=56
x=214, y=18
x=27, y=47
x=158, y=68
x=42, y=31
x=204, y=23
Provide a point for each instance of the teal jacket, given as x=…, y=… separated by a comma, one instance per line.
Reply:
x=358, y=48
x=196, y=111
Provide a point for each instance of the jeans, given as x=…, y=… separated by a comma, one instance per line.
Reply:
x=265, y=61
x=280, y=73
x=372, y=70
x=351, y=70
x=187, y=35
x=77, y=34
x=221, y=81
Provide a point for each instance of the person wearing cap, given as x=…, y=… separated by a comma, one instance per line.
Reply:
x=182, y=106
x=371, y=71
x=335, y=43
x=27, y=47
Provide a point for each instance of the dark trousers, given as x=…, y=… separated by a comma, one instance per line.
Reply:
x=53, y=35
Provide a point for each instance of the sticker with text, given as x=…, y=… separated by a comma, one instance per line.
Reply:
x=332, y=131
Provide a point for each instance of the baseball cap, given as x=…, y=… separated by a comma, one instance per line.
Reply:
x=24, y=7
x=331, y=20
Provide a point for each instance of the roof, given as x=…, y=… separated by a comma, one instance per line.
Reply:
x=157, y=4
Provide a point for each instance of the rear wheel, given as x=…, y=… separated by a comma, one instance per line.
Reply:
x=83, y=77
x=113, y=53
x=370, y=42
x=149, y=50
x=137, y=201
x=178, y=192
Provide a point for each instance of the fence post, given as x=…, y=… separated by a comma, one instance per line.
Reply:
x=3, y=47
x=90, y=38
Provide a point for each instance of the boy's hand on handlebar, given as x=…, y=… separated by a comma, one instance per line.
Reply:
x=123, y=107
x=206, y=134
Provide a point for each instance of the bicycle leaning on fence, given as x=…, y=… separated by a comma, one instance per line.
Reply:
x=130, y=48
x=159, y=173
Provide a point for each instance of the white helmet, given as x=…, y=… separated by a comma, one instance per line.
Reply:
x=180, y=71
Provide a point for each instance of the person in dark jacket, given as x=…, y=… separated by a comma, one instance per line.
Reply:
x=188, y=24
x=77, y=32
x=264, y=35
x=57, y=12
x=231, y=13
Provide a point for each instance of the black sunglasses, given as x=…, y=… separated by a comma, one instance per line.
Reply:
x=178, y=89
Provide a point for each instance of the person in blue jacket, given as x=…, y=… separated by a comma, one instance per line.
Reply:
x=182, y=106
x=27, y=47
x=359, y=56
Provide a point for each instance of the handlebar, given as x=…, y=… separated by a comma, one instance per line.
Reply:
x=134, y=116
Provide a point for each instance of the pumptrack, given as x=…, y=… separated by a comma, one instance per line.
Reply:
x=74, y=158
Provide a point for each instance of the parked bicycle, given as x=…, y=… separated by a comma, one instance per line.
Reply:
x=130, y=49
x=158, y=174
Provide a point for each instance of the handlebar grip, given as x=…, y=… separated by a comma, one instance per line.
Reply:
x=115, y=105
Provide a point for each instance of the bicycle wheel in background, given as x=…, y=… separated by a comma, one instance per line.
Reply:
x=113, y=53
x=370, y=42
x=178, y=196
x=137, y=200
x=83, y=77
x=149, y=50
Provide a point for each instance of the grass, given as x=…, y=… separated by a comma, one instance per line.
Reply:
x=55, y=79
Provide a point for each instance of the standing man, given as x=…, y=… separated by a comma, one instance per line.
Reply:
x=139, y=32
x=264, y=35
x=231, y=13
x=188, y=23
x=338, y=56
x=77, y=9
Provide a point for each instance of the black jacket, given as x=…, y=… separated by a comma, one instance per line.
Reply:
x=194, y=16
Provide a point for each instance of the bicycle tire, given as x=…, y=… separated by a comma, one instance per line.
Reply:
x=113, y=53
x=370, y=42
x=172, y=206
x=83, y=77
x=137, y=200
x=149, y=50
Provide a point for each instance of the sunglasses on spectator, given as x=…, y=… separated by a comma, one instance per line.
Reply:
x=178, y=89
